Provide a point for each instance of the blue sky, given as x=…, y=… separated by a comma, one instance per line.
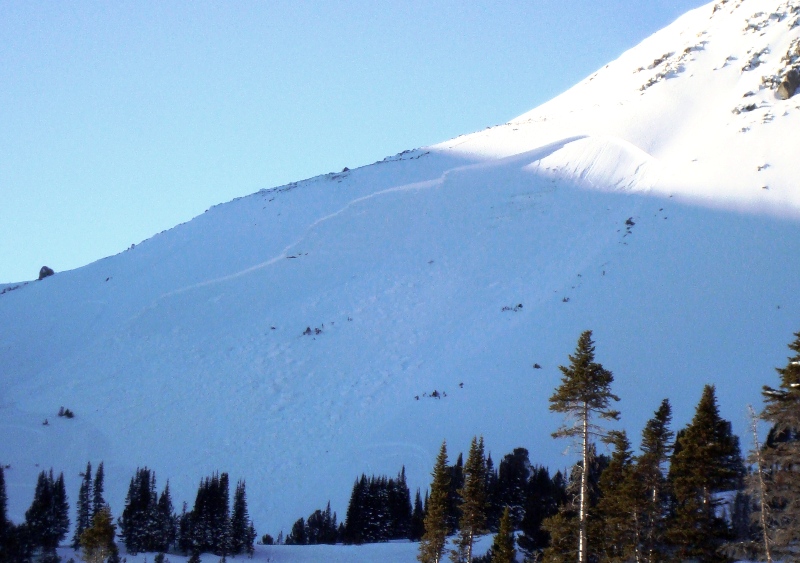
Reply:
x=122, y=119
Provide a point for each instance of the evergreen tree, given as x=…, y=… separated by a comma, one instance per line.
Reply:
x=781, y=457
x=139, y=521
x=330, y=529
x=652, y=507
x=453, y=496
x=241, y=525
x=222, y=518
x=417, y=519
x=298, y=534
x=97, y=540
x=584, y=392
x=98, y=502
x=563, y=527
x=84, y=510
x=354, y=521
x=47, y=519
x=208, y=524
x=251, y=538
x=185, y=530
x=473, y=506
x=544, y=496
x=707, y=461
x=563, y=532
x=512, y=483
x=494, y=510
x=166, y=522
x=379, y=510
x=616, y=523
x=431, y=546
x=15, y=543
x=320, y=527
x=400, y=511
x=5, y=523
x=503, y=547
x=377, y=520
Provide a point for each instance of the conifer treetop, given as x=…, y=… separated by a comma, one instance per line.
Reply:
x=431, y=547
x=503, y=547
x=783, y=404
x=657, y=435
x=585, y=388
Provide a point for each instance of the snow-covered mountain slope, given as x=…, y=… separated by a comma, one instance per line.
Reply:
x=295, y=337
x=698, y=98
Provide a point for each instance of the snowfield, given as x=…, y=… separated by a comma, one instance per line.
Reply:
x=391, y=552
x=294, y=337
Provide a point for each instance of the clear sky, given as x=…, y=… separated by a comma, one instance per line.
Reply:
x=122, y=119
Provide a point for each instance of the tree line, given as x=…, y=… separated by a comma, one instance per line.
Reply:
x=148, y=522
x=380, y=507
x=684, y=496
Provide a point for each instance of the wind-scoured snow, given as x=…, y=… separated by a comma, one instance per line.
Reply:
x=295, y=337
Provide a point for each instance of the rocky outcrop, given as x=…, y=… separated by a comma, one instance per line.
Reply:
x=45, y=272
x=789, y=85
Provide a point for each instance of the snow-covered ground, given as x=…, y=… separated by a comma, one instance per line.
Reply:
x=391, y=552
x=658, y=217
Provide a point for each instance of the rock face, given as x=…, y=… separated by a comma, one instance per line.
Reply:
x=789, y=85
x=45, y=272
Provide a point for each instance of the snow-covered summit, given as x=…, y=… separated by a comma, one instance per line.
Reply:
x=295, y=337
x=695, y=97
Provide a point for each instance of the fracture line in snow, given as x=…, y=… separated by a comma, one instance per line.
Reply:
x=285, y=252
x=535, y=154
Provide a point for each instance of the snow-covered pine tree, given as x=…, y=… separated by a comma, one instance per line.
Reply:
x=207, y=527
x=707, y=460
x=473, y=507
x=512, y=483
x=251, y=538
x=240, y=522
x=584, y=393
x=379, y=519
x=167, y=522
x=222, y=517
x=781, y=456
x=139, y=521
x=47, y=519
x=83, y=518
x=379, y=510
x=431, y=546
